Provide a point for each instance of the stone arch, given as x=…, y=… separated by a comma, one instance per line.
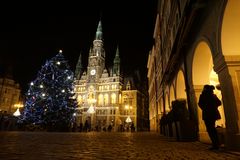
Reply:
x=181, y=87
x=203, y=73
x=202, y=64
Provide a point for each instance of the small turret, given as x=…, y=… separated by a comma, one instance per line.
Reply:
x=78, y=70
x=116, y=63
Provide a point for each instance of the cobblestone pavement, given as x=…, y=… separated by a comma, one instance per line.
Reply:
x=104, y=145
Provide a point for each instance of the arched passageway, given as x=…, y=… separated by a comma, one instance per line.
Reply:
x=203, y=73
x=181, y=87
x=167, y=103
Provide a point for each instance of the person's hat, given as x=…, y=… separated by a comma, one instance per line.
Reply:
x=209, y=87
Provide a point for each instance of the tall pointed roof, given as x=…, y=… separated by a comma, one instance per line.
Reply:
x=79, y=67
x=79, y=63
x=99, y=31
x=117, y=59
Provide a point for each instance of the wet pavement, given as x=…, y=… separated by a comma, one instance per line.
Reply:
x=103, y=145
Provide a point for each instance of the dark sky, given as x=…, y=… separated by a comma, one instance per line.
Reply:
x=30, y=34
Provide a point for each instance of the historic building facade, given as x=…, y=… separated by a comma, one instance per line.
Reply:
x=197, y=43
x=103, y=98
x=10, y=98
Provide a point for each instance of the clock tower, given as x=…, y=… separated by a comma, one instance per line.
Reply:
x=96, y=59
x=102, y=102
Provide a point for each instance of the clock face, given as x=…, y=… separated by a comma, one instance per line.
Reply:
x=93, y=72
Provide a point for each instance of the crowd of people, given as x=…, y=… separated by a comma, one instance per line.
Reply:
x=86, y=127
x=8, y=122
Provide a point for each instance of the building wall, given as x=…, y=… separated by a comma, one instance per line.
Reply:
x=103, y=97
x=106, y=106
x=184, y=26
x=129, y=106
x=152, y=91
x=10, y=95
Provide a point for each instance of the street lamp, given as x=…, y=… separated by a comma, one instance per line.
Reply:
x=91, y=109
x=128, y=108
x=128, y=120
x=17, y=112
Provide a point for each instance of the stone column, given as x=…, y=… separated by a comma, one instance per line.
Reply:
x=228, y=70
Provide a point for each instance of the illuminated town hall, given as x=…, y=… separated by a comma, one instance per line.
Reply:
x=106, y=98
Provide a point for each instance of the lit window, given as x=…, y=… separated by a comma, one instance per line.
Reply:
x=105, y=100
x=120, y=98
x=100, y=99
x=114, y=86
x=79, y=99
x=113, y=98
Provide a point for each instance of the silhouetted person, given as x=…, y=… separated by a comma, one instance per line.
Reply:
x=74, y=127
x=5, y=121
x=121, y=128
x=81, y=127
x=1, y=120
x=86, y=126
x=132, y=127
x=209, y=103
x=109, y=128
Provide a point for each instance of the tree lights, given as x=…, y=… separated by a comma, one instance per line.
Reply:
x=49, y=99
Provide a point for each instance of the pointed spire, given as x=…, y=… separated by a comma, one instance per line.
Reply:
x=116, y=63
x=99, y=31
x=128, y=86
x=78, y=70
x=90, y=51
x=117, y=59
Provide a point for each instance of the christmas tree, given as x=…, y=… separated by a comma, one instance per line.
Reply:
x=50, y=100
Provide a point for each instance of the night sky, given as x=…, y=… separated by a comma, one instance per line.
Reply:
x=31, y=34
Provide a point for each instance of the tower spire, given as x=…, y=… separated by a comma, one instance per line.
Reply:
x=99, y=31
x=116, y=63
x=78, y=70
x=117, y=59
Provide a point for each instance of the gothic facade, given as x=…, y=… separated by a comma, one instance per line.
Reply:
x=104, y=99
